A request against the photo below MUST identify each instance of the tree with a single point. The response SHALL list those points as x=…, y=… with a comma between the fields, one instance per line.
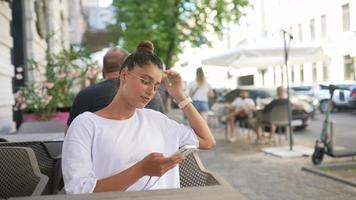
x=169, y=23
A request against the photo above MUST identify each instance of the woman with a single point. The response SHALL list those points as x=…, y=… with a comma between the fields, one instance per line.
x=200, y=91
x=126, y=147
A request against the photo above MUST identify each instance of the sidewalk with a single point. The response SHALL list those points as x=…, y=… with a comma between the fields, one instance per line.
x=260, y=176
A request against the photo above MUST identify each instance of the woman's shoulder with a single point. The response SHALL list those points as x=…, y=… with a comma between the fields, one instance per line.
x=84, y=117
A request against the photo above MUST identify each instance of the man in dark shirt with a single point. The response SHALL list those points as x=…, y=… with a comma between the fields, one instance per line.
x=97, y=96
x=263, y=115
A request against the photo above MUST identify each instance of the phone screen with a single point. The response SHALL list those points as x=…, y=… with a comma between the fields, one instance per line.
x=186, y=150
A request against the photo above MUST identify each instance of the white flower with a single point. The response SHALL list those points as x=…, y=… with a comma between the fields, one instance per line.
x=19, y=69
x=19, y=76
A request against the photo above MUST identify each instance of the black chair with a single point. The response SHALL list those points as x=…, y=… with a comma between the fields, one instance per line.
x=49, y=165
x=193, y=174
x=19, y=173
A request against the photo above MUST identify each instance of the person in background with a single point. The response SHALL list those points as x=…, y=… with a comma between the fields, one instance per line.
x=97, y=96
x=126, y=147
x=260, y=116
x=240, y=109
x=200, y=91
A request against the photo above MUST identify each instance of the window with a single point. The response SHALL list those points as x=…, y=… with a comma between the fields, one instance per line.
x=348, y=68
x=312, y=29
x=301, y=74
x=325, y=72
x=314, y=73
x=345, y=17
x=245, y=80
x=300, y=33
x=323, y=25
x=274, y=76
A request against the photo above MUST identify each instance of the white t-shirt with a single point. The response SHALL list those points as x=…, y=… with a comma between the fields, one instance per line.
x=201, y=94
x=246, y=103
x=96, y=148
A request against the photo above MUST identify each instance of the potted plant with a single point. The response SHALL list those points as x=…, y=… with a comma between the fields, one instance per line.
x=55, y=85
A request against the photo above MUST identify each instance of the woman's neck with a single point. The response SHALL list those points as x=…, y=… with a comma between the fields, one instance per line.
x=118, y=109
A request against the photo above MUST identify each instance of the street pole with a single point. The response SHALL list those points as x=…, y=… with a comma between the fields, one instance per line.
x=286, y=52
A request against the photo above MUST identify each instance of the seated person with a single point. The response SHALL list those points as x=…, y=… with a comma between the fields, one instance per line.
x=241, y=108
x=261, y=116
x=125, y=147
x=97, y=96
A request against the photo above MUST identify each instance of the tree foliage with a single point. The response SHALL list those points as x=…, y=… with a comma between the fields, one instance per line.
x=169, y=23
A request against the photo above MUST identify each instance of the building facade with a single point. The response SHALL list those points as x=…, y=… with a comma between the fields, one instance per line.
x=329, y=23
x=6, y=69
x=29, y=28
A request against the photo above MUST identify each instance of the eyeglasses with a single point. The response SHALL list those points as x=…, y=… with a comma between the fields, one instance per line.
x=146, y=83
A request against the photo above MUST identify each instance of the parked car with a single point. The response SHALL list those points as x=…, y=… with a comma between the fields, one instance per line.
x=321, y=92
x=352, y=99
x=301, y=114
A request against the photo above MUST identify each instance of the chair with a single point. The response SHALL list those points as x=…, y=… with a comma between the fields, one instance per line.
x=277, y=116
x=19, y=173
x=42, y=127
x=193, y=173
x=49, y=165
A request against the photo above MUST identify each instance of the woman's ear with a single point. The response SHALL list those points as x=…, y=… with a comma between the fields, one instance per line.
x=123, y=73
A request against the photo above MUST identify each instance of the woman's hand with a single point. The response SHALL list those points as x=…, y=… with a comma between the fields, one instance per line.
x=174, y=84
x=155, y=164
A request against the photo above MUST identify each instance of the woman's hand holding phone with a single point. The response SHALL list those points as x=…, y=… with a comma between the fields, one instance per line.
x=155, y=164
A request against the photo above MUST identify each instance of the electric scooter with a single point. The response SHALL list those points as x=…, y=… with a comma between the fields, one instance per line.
x=326, y=143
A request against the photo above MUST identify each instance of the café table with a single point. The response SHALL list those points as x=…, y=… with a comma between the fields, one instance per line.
x=56, y=136
x=224, y=192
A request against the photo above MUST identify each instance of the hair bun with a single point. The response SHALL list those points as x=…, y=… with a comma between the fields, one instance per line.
x=146, y=46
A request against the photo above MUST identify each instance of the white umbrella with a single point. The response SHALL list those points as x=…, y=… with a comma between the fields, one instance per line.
x=264, y=53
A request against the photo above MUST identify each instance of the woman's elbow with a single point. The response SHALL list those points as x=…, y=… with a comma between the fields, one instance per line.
x=208, y=144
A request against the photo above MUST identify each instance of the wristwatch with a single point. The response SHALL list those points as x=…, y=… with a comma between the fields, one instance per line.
x=184, y=103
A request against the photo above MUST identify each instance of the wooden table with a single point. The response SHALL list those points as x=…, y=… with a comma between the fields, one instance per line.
x=193, y=193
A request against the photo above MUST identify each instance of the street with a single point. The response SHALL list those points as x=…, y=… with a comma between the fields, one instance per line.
x=262, y=176
x=344, y=129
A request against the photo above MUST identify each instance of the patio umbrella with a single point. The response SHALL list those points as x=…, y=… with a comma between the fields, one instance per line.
x=264, y=53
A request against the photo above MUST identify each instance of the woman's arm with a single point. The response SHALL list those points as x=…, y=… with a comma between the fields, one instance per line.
x=155, y=164
x=198, y=124
x=77, y=163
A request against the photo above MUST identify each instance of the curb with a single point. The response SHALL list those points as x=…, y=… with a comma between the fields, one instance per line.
x=318, y=171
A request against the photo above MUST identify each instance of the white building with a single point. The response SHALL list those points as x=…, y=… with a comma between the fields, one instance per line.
x=326, y=22
x=329, y=23
x=24, y=27
x=100, y=13
x=6, y=69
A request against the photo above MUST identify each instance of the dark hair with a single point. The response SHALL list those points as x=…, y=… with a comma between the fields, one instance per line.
x=143, y=55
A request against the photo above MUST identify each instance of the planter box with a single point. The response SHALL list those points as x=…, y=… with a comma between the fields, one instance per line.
x=58, y=116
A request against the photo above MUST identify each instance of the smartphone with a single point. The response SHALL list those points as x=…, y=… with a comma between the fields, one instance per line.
x=186, y=150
